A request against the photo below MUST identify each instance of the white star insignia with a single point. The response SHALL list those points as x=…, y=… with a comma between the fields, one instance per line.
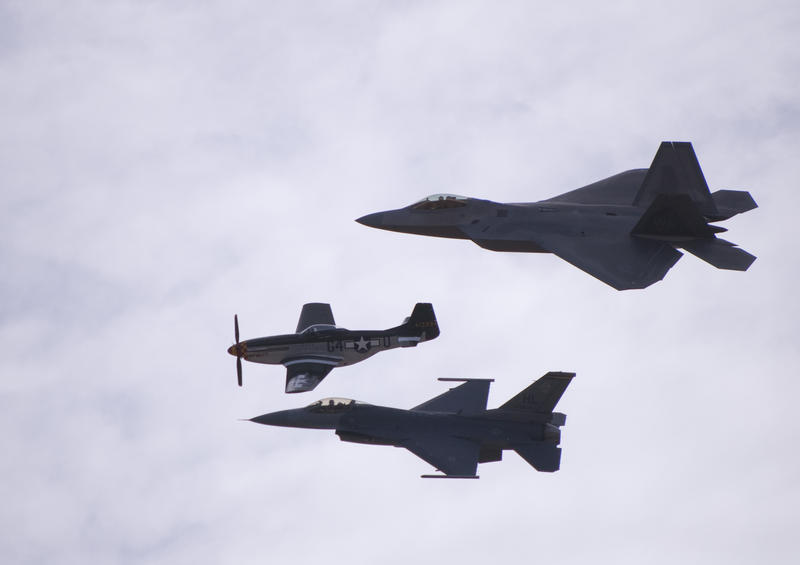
x=362, y=344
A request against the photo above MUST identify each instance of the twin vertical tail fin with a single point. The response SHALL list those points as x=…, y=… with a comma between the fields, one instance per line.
x=420, y=326
x=679, y=206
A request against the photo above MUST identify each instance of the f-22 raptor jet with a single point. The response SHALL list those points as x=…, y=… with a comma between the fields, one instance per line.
x=453, y=431
x=318, y=345
x=624, y=230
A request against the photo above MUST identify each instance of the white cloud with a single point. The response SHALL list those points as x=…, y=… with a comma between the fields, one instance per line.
x=166, y=165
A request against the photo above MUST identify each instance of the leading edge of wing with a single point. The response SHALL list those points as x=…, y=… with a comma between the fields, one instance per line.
x=623, y=263
x=450, y=455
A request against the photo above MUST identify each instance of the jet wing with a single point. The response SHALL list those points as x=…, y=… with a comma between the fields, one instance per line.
x=621, y=262
x=304, y=375
x=468, y=397
x=617, y=190
x=315, y=313
x=450, y=455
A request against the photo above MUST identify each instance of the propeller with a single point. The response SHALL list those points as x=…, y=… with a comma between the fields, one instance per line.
x=238, y=349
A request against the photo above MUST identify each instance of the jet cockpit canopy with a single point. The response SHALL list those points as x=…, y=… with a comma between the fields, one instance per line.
x=440, y=201
x=329, y=405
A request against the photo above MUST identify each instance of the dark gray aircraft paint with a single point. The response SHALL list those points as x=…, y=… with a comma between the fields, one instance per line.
x=318, y=345
x=624, y=230
x=453, y=431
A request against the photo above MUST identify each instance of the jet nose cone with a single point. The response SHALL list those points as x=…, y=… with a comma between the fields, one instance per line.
x=272, y=419
x=372, y=220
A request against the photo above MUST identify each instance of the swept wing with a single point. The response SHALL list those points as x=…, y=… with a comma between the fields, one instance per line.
x=468, y=397
x=450, y=455
x=622, y=262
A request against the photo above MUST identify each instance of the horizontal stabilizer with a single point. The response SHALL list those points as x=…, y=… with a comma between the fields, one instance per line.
x=541, y=456
x=468, y=397
x=542, y=396
x=720, y=253
x=732, y=202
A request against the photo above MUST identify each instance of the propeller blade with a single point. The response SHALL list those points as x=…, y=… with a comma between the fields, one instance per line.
x=236, y=327
x=239, y=369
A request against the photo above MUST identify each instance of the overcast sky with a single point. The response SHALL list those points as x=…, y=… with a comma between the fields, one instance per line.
x=164, y=165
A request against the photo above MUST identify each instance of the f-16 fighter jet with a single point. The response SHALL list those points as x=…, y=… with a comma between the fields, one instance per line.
x=453, y=431
x=318, y=345
x=624, y=230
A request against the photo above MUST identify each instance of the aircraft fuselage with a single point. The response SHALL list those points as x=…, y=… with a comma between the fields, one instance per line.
x=337, y=347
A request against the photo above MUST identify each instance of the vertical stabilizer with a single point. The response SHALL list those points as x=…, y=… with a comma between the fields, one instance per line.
x=675, y=170
x=542, y=396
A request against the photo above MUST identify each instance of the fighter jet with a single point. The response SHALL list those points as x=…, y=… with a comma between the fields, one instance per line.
x=625, y=230
x=318, y=345
x=453, y=431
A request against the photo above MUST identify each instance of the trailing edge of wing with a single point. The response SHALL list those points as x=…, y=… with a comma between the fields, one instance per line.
x=623, y=262
x=315, y=313
x=450, y=455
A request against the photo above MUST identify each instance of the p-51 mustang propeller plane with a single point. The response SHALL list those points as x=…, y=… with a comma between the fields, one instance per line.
x=318, y=346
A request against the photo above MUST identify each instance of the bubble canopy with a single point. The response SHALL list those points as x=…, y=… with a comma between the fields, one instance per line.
x=332, y=404
x=440, y=201
x=318, y=328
